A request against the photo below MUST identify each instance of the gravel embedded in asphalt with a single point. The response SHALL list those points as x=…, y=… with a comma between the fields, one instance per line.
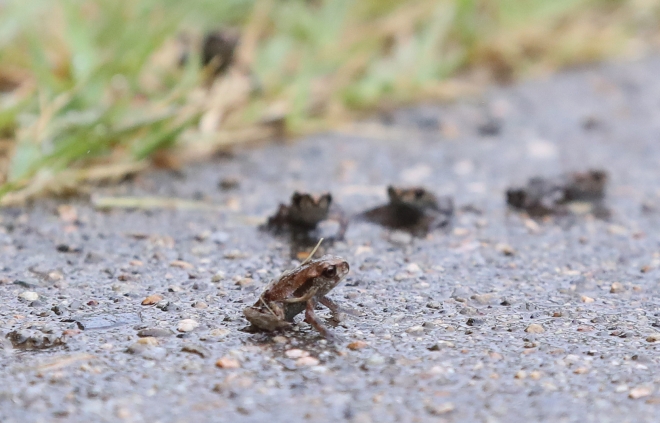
x=129, y=315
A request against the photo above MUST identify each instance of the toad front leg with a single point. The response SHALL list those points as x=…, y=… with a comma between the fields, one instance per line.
x=312, y=319
x=338, y=310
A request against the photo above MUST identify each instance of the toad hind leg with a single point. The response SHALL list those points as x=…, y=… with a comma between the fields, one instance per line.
x=269, y=319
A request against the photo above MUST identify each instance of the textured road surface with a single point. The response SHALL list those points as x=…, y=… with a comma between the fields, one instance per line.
x=499, y=318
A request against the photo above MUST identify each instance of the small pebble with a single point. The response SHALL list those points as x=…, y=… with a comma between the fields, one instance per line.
x=505, y=249
x=149, y=340
x=617, y=287
x=162, y=304
x=307, y=361
x=434, y=305
x=617, y=230
x=228, y=363
x=136, y=348
x=244, y=282
x=440, y=345
x=376, y=360
x=154, y=332
x=357, y=345
x=653, y=337
x=532, y=226
x=218, y=276
x=461, y=294
x=402, y=276
x=147, y=348
x=534, y=328
x=201, y=237
x=234, y=254
x=484, y=299
x=152, y=299
x=587, y=300
x=296, y=353
x=181, y=264
x=586, y=328
x=440, y=409
x=64, y=248
x=621, y=388
x=219, y=333
x=55, y=275
x=196, y=349
x=413, y=268
x=187, y=325
x=640, y=392
x=28, y=296
x=200, y=305
x=474, y=321
x=469, y=311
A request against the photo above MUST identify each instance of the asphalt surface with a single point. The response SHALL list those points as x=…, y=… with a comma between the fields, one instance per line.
x=445, y=328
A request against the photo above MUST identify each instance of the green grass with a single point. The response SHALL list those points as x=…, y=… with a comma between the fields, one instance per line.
x=92, y=89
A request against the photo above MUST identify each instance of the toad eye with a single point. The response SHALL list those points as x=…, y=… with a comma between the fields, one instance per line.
x=419, y=193
x=330, y=271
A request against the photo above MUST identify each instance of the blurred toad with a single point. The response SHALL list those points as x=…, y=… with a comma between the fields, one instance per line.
x=562, y=194
x=307, y=218
x=414, y=209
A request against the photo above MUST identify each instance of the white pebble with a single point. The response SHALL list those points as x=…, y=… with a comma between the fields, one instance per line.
x=29, y=296
x=187, y=325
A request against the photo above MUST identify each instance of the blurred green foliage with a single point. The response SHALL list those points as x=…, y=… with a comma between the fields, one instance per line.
x=84, y=82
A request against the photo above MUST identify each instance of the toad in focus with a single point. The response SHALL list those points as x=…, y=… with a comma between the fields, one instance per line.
x=298, y=290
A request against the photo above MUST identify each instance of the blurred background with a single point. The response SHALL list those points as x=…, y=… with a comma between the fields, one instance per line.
x=99, y=89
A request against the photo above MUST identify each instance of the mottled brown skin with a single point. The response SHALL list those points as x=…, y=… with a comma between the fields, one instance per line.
x=298, y=290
